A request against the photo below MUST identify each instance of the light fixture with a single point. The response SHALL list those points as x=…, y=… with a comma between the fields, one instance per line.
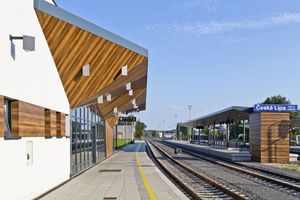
x=108, y=97
x=28, y=41
x=100, y=99
x=128, y=86
x=135, y=106
x=133, y=101
x=130, y=92
x=86, y=70
x=115, y=110
x=124, y=71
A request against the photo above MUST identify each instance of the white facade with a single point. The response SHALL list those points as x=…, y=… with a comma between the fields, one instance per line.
x=50, y=167
x=31, y=77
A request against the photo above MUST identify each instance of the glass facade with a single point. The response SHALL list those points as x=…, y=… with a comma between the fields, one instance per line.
x=88, y=137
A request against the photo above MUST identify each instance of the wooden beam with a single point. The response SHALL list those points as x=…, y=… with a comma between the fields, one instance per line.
x=50, y=123
x=60, y=124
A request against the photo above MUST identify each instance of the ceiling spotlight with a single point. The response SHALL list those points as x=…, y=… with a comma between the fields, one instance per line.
x=115, y=110
x=86, y=70
x=100, y=99
x=130, y=92
x=28, y=41
x=124, y=71
x=108, y=97
x=133, y=101
x=128, y=86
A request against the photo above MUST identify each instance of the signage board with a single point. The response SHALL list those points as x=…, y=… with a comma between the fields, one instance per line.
x=127, y=119
x=275, y=108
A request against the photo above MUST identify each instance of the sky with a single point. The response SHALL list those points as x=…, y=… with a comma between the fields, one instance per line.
x=211, y=54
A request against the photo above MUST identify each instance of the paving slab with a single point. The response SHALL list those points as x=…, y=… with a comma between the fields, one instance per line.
x=129, y=183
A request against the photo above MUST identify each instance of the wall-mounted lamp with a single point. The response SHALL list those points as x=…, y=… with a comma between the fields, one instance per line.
x=124, y=71
x=135, y=106
x=28, y=41
x=128, y=86
x=130, y=92
x=86, y=70
x=108, y=97
x=100, y=99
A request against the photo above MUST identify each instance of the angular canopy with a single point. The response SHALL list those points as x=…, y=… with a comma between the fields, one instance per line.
x=75, y=42
x=231, y=114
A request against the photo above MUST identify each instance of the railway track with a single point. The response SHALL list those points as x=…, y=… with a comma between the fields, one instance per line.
x=196, y=185
x=286, y=183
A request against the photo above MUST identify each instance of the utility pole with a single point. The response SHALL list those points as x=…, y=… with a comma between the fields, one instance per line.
x=190, y=108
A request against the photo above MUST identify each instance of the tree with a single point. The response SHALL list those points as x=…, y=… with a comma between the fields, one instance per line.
x=295, y=115
x=277, y=99
x=139, y=130
x=182, y=132
x=281, y=100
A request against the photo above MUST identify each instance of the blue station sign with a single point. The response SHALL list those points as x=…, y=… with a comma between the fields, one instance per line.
x=275, y=108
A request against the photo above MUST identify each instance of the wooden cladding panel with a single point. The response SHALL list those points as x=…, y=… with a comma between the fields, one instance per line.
x=60, y=124
x=27, y=120
x=1, y=116
x=269, y=137
x=72, y=48
x=109, y=135
x=50, y=123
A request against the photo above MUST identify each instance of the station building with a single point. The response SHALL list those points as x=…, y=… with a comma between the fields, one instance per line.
x=63, y=83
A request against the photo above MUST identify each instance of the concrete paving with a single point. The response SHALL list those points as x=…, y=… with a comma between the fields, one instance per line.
x=125, y=184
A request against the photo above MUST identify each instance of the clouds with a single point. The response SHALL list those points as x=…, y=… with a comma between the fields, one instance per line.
x=215, y=27
x=210, y=5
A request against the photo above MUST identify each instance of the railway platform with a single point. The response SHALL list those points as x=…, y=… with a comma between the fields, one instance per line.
x=128, y=174
x=225, y=153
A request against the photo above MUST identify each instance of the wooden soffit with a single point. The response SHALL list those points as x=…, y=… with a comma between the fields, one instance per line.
x=123, y=103
x=75, y=42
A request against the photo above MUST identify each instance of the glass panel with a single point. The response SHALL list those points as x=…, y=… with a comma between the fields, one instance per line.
x=82, y=120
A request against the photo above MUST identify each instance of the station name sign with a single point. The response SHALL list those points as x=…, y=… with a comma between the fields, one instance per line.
x=275, y=108
x=127, y=119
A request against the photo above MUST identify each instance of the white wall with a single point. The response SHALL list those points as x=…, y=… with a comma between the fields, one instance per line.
x=32, y=77
x=51, y=166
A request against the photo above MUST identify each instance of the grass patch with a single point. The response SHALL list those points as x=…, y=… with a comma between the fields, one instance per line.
x=122, y=143
x=290, y=166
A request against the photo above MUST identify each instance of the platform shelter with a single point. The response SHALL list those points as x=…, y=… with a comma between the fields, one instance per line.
x=268, y=129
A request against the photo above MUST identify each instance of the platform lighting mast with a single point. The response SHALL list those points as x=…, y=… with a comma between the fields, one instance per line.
x=190, y=108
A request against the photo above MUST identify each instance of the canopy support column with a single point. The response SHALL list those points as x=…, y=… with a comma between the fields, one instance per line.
x=244, y=131
x=227, y=135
